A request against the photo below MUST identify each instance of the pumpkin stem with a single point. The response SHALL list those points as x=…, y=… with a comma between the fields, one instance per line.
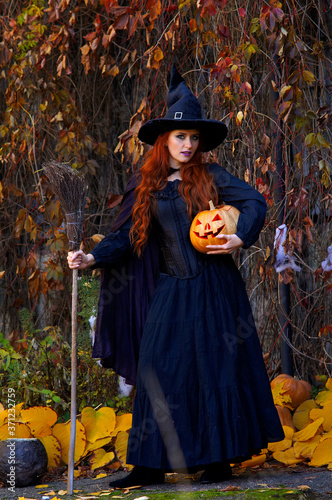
x=212, y=207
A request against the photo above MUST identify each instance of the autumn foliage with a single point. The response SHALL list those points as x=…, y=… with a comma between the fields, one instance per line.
x=101, y=435
x=78, y=79
x=308, y=433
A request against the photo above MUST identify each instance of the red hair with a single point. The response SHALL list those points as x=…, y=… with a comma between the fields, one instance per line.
x=197, y=188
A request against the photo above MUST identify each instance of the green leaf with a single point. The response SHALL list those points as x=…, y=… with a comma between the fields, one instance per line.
x=322, y=142
x=311, y=115
x=47, y=392
x=4, y=342
x=255, y=25
x=16, y=355
x=310, y=140
x=250, y=50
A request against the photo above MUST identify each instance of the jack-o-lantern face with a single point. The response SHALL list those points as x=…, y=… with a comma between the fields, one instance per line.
x=212, y=228
x=210, y=223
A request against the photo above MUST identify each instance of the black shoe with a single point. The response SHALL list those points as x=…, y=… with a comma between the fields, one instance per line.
x=140, y=476
x=216, y=472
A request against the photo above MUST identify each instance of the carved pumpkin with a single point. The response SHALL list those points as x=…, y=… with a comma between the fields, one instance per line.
x=298, y=390
x=210, y=223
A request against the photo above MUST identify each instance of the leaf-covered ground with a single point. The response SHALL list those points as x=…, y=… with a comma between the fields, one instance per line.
x=273, y=480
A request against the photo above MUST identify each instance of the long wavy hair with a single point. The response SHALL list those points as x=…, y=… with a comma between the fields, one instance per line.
x=197, y=188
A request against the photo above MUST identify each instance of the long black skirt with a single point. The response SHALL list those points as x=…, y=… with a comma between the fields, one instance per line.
x=202, y=393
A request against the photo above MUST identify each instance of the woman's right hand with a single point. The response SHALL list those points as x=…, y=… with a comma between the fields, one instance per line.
x=80, y=260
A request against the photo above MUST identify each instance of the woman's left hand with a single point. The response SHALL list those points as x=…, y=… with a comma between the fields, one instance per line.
x=233, y=243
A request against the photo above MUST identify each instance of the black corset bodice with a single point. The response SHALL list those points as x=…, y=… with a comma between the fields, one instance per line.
x=171, y=226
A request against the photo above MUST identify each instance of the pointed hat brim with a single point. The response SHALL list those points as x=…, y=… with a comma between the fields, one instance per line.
x=212, y=132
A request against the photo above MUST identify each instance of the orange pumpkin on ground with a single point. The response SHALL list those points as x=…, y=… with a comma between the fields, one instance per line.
x=285, y=416
x=298, y=390
x=210, y=223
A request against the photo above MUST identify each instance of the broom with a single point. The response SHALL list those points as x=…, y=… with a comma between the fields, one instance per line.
x=70, y=189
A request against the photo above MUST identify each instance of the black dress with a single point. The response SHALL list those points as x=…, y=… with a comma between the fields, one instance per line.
x=202, y=392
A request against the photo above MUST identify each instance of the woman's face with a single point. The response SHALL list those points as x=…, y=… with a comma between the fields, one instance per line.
x=182, y=145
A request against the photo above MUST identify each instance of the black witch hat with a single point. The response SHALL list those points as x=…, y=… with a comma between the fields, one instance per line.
x=184, y=112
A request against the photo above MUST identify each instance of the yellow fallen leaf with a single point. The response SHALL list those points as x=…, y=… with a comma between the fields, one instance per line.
x=99, y=443
x=279, y=396
x=309, y=430
x=53, y=450
x=280, y=445
x=254, y=461
x=3, y=416
x=48, y=493
x=98, y=424
x=326, y=435
x=16, y=411
x=100, y=458
x=102, y=474
x=128, y=490
x=37, y=414
x=328, y=384
x=325, y=412
x=301, y=415
x=15, y=430
x=120, y=446
x=287, y=457
x=39, y=429
x=41, y=486
x=323, y=397
x=123, y=423
x=303, y=487
x=285, y=443
x=62, y=492
x=305, y=449
x=62, y=433
x=322, y=454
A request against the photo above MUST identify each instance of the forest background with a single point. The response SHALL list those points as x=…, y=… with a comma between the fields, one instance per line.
x=77, y=80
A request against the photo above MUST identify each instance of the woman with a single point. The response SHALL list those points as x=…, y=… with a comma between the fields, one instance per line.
x=203, y=398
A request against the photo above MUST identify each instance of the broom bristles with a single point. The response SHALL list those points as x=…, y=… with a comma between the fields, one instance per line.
x=70, y=188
